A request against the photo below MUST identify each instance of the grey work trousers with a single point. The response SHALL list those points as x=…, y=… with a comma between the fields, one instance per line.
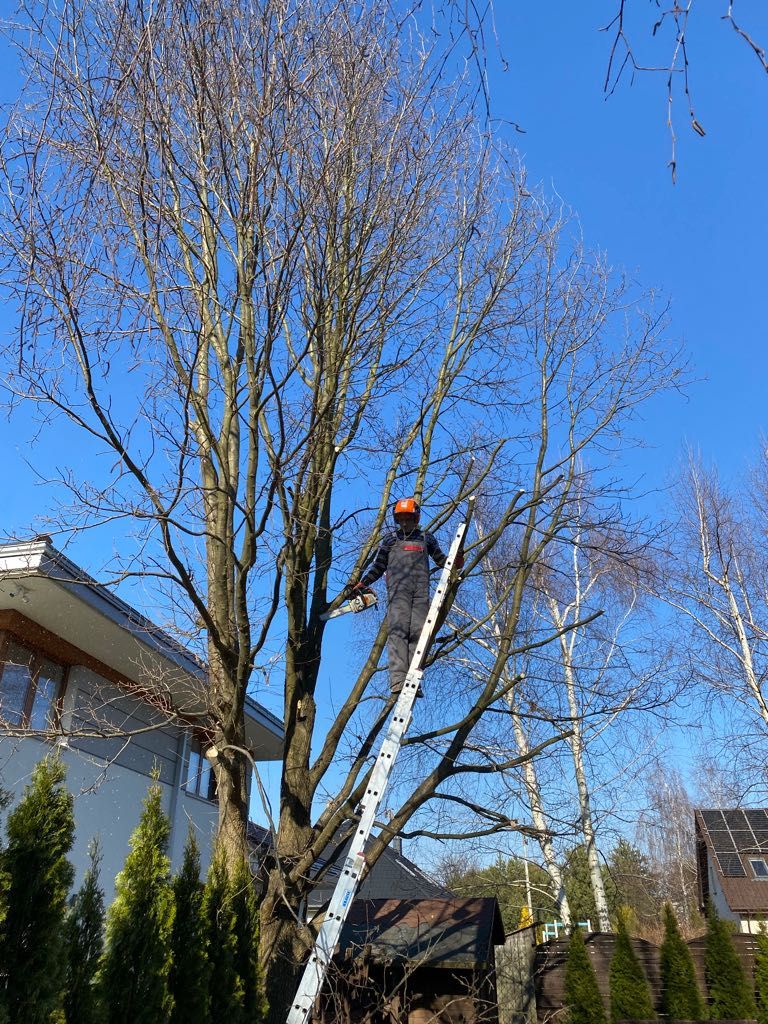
x=406, y=614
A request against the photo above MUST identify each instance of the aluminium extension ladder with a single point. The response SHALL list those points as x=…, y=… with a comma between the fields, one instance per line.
x=354, y=864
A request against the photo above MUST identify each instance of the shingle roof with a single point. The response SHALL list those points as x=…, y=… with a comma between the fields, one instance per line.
x=732, y=838
x=439, y=932
x=392, y=873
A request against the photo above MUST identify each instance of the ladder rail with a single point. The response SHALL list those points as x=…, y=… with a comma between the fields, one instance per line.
x=354, y=864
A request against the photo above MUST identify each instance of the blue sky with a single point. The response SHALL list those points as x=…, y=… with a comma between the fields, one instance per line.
x=700, y=241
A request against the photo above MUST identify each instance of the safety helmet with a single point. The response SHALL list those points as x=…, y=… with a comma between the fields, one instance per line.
x=406, y=507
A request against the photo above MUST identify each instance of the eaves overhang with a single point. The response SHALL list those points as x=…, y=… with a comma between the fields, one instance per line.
x=42, y=584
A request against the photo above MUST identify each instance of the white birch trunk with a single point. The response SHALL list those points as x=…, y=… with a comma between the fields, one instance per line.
x=538, y=816
x=576, y=743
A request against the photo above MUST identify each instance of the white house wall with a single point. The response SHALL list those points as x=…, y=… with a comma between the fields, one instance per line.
x=141, y=737
x=108, y=777
x=716, y=894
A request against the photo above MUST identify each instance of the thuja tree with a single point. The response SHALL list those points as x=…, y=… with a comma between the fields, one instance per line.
x=4, y=885
x=225, y=986
x=246, y=909
x=761, y=975
x=730, y=994
x=188, y=980
x=299, y=265
x=40, y=831
x=582, y=995
x=630, y=994
x=137, y=958
x=84, y=940
x=680, y=997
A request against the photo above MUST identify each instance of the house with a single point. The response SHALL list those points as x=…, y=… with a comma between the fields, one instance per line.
x=84, y=673
x=425, y=955
x=392, y=873
x=732, y=864
x=410, y=961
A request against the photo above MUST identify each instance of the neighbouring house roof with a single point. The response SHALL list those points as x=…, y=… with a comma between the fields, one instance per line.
x=728, y=839
x=41, y=583
x=392, y=873
x=456, y=932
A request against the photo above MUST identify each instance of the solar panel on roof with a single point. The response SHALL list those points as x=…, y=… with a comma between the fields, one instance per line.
x=722, y=840
x=730, y=865
x=757, y=819
x=744, y=840
x=735, y=819
x=713, y=819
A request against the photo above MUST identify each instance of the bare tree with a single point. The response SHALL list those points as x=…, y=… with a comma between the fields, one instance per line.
x=495, y=582
x=717, y=583
x=261, y=253
x=665, y=830
x=598, y=680
x=641, y=39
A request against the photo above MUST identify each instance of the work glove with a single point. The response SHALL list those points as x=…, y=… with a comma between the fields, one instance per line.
x=353, y=588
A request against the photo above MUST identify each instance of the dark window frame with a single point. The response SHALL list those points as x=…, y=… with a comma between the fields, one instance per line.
x=39, y=656
x=197, y=748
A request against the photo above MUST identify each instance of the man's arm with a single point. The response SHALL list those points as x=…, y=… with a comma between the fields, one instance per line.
x=379, y=565
x=439, y=556
x=435, y=551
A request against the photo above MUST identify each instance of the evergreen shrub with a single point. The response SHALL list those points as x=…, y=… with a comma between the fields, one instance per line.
x=680, y=996
x=137, y=959
x=582, y=996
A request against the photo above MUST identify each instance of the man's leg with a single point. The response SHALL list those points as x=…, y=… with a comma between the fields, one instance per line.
x=398, y=631
x=419, y=609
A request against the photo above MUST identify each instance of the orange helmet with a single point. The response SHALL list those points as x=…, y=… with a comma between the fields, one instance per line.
x=406, y=507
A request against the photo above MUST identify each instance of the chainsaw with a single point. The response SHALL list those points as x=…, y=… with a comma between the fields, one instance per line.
x=358, y=603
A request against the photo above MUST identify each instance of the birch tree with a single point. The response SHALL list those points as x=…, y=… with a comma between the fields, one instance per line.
x=717, y=584
x=600, y=666
x=514, y=683
x=262, y=257
x=666, y=831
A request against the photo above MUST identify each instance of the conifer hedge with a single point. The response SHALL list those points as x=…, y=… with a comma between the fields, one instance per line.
x=33, y=953
x=85, y=940
x=761, y=976
x=189, y=942
x=172, y=951
x=137, y=959
x=630, y=994
x=680, y=996
x=582, y=996
x=225, y=983
x=246, y=909
x=730, y=994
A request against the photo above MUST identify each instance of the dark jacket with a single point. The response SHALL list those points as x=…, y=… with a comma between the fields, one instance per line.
x=405, y=560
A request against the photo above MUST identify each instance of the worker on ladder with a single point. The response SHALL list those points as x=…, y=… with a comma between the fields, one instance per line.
x=404, y=556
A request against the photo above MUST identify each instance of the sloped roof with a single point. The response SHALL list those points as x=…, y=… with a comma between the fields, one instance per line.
x=62, y=598
x=731, y=839
x=392, y=873
x=452, y=932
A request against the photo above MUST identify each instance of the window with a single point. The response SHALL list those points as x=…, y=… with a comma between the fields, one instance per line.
x=760, y=868
x=29, y=686
x=200, y=778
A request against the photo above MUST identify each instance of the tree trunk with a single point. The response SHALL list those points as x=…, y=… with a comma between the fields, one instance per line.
x=283, y=945
x=230, y=763
x=576, y=743
x=538, y=817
